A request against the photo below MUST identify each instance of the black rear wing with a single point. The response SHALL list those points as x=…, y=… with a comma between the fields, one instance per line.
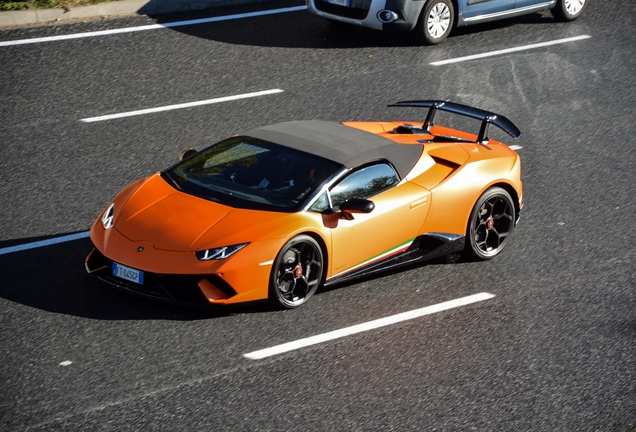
x=486, y=117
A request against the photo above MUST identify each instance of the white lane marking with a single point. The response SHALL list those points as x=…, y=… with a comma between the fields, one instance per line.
x=371, y=325
x=510, y=50
x=66, y=363
x=41, y=243
x=515, y=147
x=180, y=106
x=151, y=26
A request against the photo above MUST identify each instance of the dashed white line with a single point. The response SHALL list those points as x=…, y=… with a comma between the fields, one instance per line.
x=510, y=50
x=41, y=243
x=371, y=325
x=180, y=106
x=515, y=147
x=151, y=26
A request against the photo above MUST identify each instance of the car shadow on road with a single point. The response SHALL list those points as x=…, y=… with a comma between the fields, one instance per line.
x=53, y=278
x=300, y=29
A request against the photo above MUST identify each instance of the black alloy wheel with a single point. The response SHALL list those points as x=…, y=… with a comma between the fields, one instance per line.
x=490, y=225
x=297, y=272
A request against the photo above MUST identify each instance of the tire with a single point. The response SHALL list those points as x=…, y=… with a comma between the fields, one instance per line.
x=297, y=273
x=435, y=22
x=490, y=225
x=569, y=10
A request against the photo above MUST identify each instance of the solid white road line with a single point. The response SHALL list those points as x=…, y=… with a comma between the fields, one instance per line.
x=151, y=26
x=41, y=243
x=180, y=106
x=510, y=50
x=371, y=325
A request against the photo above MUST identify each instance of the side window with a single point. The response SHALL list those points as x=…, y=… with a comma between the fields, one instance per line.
x=321, y=204
x=364, y=184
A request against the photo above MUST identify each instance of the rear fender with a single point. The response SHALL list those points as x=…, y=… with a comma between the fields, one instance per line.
x=453, y=200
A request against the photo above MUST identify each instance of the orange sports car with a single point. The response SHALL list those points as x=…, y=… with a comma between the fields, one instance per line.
x=278, y=211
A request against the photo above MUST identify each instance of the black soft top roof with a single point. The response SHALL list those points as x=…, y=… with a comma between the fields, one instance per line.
x=342, y=144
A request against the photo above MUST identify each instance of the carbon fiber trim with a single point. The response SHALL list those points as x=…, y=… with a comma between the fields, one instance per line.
x=423, y=248
x=486, y=117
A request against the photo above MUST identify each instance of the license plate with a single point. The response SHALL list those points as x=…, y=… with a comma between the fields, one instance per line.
x=121, y=271
x=344, y=3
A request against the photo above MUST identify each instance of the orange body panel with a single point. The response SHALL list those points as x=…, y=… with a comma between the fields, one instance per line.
x=248, y=270
x=455, y=186
x=398, y=217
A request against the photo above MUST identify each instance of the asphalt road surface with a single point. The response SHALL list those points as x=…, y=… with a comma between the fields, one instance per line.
x=554, y=349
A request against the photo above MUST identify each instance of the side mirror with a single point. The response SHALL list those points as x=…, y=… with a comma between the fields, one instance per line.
x=187, y=153
x=355, y=205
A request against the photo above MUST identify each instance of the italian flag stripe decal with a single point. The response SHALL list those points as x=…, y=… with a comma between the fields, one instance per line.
x=394, y=251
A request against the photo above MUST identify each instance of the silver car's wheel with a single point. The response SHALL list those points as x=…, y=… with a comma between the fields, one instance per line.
x=491, y=223
x=297, y=272
x=436, y=21
x=569, y=10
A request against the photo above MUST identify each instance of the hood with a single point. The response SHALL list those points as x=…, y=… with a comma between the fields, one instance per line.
x=172, y=220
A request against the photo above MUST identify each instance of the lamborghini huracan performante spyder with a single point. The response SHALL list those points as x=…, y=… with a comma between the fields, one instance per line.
x=431, y=21
x=276, y=212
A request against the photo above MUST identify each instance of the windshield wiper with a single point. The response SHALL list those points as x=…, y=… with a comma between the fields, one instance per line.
x=167, y=177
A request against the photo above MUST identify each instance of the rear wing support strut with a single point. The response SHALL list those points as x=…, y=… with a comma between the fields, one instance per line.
x=486, y=117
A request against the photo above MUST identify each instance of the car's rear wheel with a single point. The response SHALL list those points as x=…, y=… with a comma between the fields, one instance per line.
x=435, y=22
x=568, y=10
x=490, y=225
x=297, y=272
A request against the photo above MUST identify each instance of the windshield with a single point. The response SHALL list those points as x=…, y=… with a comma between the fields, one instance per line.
x=250, y=173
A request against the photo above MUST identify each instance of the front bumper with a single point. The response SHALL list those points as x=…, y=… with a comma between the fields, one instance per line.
x=365, y=13
x=190, y=290
x=179, y=277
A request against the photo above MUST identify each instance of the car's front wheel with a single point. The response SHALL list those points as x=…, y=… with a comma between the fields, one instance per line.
x=490, y=225
x=568, y=10
x=297, y=272
x=435, y=22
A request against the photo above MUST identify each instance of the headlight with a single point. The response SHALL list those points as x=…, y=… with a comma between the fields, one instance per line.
x=219, y=253
x=107, y=217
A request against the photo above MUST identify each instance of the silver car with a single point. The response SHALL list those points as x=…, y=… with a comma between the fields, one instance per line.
x=431, y=21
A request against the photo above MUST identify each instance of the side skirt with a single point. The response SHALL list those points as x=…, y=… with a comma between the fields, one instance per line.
x=424, y=248
x=461, y=21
